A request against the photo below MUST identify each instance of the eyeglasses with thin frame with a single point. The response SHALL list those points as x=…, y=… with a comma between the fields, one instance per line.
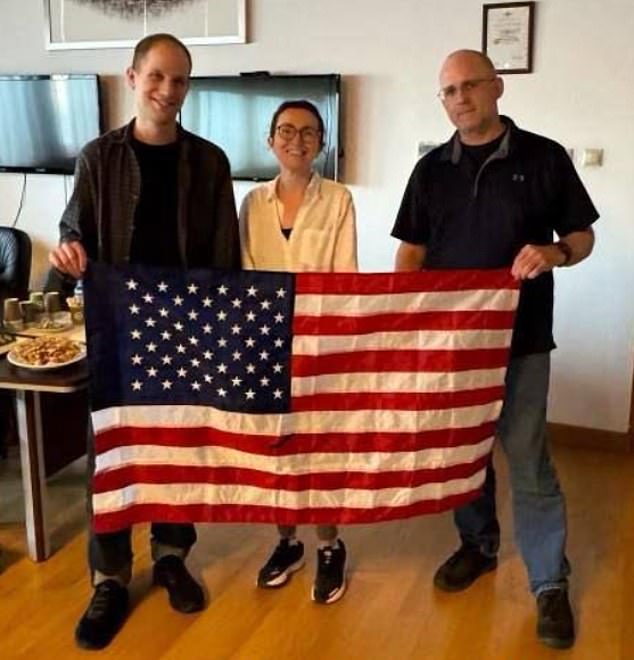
x=307, y=133
x=450, y=92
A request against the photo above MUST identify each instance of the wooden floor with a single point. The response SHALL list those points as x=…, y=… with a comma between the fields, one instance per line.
x=391, y=611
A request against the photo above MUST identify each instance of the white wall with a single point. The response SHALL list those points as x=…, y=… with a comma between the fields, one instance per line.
x=389, y=52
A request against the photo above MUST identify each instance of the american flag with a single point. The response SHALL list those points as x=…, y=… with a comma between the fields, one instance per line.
x=292, y=398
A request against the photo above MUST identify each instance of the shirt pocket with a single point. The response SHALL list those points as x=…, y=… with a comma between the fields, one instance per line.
x=314, y=251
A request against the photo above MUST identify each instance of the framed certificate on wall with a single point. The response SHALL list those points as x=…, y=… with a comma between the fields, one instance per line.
x=507, y=35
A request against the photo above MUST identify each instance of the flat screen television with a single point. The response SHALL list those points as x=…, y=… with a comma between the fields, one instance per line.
x=235, y=113
x=46, y=119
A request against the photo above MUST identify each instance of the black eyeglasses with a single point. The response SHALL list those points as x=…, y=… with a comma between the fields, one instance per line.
x=307, y=133
x=449, y=93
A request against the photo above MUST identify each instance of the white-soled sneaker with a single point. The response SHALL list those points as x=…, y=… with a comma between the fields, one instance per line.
x=330, y=582
x=285, y=560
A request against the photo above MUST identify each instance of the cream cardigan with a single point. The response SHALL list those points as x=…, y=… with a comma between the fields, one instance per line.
x=324, y=236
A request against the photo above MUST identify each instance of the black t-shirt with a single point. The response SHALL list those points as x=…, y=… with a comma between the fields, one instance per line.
x=155, y=234
x=470, y=217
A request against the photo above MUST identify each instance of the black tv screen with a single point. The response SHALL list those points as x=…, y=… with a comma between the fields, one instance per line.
x=45, y=120
x=235, y=113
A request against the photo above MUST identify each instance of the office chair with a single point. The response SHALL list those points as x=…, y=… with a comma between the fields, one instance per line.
x=15, y=271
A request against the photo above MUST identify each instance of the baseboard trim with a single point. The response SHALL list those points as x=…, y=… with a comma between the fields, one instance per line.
x=579, y=436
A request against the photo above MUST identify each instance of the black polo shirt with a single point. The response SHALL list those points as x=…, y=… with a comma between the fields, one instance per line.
x=472, y=215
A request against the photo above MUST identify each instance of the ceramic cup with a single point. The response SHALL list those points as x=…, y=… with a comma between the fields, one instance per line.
x=12, y=315
x=11, y=310
x=29, y=311
x=52, y=302
x=37, y=298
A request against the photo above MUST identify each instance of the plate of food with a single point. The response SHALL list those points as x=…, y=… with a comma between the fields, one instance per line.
x=57, y=324
x=46, y=353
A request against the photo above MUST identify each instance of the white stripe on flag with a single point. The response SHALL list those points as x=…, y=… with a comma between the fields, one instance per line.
x=292, y=464
x=398, y=381
x=412, y=340
x=213, y=494
x=443, y=301
x=337, y=421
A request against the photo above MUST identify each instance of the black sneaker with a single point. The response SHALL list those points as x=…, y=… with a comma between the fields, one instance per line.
x=330, y=582
x=106, y=613
x=555, y=625
x=185, y=594
x=285, y=560
x=463, y=568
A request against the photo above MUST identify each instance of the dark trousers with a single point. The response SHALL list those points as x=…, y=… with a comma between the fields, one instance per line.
x=111, y=554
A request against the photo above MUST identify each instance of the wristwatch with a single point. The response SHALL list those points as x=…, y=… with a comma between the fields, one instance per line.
x=566, y=250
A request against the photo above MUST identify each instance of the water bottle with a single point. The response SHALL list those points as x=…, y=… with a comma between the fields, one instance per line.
x=76, y=303
x=79, y=291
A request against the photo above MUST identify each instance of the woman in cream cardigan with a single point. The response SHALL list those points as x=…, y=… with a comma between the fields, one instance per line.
x=300, y=222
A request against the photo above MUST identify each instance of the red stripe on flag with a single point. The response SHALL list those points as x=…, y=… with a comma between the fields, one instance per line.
x=200, y=474
x=419, y=281
x=401, y=322
x=399, y=361
x=299, y=443
x=111, y=522
x=397, y=400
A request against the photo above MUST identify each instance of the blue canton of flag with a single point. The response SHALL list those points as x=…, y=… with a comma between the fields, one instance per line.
x=198, y=337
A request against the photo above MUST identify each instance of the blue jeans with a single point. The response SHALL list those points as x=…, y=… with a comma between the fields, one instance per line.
x=539, y=509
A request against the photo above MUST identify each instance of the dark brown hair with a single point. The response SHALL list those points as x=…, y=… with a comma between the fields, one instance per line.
x=300, y=104
x=147, y=43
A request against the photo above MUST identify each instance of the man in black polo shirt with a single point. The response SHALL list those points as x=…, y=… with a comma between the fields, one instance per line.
x=147, y=193
x=492, y=197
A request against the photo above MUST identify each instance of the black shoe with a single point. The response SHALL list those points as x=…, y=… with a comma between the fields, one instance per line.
x=185, y=594
x=463, y=568
x=555, y=625
x=330, y=582
x=285, y=560
x=106, y=613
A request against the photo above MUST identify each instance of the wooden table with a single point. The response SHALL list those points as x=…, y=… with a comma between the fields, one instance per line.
x=29, y=385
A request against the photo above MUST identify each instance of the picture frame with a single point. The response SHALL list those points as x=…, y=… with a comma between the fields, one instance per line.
x=90, y=24
x=507, y=35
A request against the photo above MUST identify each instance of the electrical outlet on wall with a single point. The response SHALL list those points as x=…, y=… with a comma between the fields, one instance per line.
x=592, y=157
x=425, y=147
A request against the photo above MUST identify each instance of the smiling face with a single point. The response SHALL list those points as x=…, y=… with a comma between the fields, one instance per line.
x=296, y=154
x=470, y=89
x=160, y=81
